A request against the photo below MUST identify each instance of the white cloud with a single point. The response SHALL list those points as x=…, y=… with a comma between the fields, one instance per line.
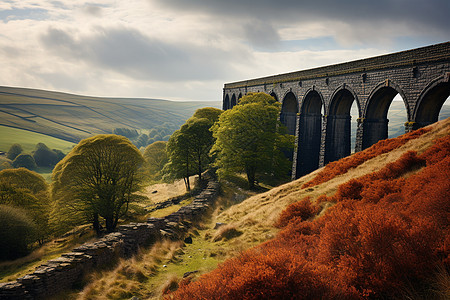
x=187, y=49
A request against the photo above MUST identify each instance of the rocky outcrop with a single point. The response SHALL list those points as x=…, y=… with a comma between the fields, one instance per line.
x=62, y=273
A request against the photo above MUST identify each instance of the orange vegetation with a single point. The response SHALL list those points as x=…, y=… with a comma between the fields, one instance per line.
x=341, y=166
x=387, y=233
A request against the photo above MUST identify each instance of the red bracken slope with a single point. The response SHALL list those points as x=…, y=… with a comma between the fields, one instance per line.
x=386, y=236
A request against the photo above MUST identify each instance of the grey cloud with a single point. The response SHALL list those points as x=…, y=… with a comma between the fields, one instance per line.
x=93, y=10
x=431, y=15
x=133, y=54
x=261, y=34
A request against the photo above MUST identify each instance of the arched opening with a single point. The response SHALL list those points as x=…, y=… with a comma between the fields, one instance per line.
x=376, y=121
x=239, y=97
x=274, y=96
x=397, y=117
x=226, y=103
x=289, y=110
x=445, y=110
x=431, y=104
x=338, y=138
x=354, y=114
x=309, y=134
x=233, y=101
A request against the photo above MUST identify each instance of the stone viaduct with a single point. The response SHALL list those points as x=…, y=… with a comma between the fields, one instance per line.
x=316, y=102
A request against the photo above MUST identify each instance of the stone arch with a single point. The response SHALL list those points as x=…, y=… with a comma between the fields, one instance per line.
x=289, y=110
x=233, y=101
x=338, y=133
x=430, y=102
x=310, y=106
x=310, y=133
x=375, y=125
x=239, y=97
x=226, y=102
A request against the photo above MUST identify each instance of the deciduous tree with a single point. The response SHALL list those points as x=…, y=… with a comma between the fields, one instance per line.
x=248, y=138
x=27, y=190
x=98, y=178
x=14, y=151
x=189, y=147
x=155, y=156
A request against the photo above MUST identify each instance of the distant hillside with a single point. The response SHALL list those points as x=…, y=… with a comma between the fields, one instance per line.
x=74, y=117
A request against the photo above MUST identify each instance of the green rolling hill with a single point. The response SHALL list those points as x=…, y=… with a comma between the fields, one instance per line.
x=72, y=117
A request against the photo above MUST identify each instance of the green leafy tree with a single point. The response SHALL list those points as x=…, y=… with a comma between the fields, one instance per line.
x=25, y=161
x=142, y=140
x=17, y=232
x=155, y=156
x=180, y=159
x=200, y=141
x=5, y=163
x=44, y=156
x=210, y=113
x=29, y=191
x=14, y=151
x=97, y=179
x=189, y=147
x=249, y=138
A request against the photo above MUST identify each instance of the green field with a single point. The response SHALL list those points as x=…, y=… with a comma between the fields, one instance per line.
x=74, y=117
x=28, y=140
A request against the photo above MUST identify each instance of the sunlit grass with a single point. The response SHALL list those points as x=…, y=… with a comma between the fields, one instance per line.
x=28, y=140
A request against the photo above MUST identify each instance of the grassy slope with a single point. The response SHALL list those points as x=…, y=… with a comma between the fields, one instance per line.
x=73, y=117
x=253, y=218
x=28, y=140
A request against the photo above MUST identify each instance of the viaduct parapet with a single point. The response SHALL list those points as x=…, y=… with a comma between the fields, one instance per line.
x=316, y=102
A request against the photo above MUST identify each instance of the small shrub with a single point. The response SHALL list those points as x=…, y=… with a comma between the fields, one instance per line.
x=297, y=212
x=17, y=232
x=44, y=157
x=226, y=232
x=14, y=151
x=25, y=161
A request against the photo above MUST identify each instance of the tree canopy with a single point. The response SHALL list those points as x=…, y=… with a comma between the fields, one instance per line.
x=14, y=151
x=44, y=156
x=249, y=139
x=189, y=147
x=98, y=178
x=155, y=156
x=24, y=160
x=17, y=232
x=27, y=190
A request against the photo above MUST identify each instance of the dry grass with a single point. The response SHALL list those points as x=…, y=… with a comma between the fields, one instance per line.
x=128, y=277
x=226, y=232
x=11, y=270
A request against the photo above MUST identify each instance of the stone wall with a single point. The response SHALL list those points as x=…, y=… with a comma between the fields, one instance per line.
x=65, y=272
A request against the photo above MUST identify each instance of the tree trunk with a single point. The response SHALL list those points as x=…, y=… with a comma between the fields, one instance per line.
x=109, y=224
x=251, y=178
x=187, y=184
x=96, y=224
x=199, y=168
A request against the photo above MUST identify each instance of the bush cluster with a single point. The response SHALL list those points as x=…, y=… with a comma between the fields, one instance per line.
x=387, y=233
x=17, y=231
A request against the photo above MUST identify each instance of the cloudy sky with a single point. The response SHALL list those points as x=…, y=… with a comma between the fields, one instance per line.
x=187, y=49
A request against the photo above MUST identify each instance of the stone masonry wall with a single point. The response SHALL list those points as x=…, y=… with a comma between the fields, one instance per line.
x=62, y=273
